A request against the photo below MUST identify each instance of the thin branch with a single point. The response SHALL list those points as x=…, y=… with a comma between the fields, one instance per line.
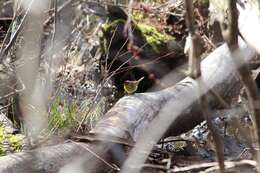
x=195, y=51
x=128, y=25
x=210, y=166
x=230, y=34
x=194, y=40
x=58, y=11
x=4, y=52
x=15, y=91
x=96, y=155
x=8, y=33
x=54, y=23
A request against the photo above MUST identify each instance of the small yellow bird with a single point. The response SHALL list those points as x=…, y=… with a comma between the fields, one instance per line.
x=131, y=86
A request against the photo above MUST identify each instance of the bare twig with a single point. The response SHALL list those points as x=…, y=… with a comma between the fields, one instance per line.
x=128, y=25
x=107, y=53
x=15, y=14
x=58, y=11
x=54, y=22
x=220, y=99
x=195, y=51
x=230, y=34
x=113, y=167
x=15, y=91
x=4, y=52
x=216, y=137
x=8, y=33
x=211, y=166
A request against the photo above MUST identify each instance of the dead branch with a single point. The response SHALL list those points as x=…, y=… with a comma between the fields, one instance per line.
x=210, y=167
x=230, y=35
x=195, y=52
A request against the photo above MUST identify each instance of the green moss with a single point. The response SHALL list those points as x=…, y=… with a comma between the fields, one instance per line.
x=153, y=37
x=2, y=149
x=16, y=142
x=112, y=25
x=2, y=132
x=9, y=142
x=204, y=3
x=138, y=15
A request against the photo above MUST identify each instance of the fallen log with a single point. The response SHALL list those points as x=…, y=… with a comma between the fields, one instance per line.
x=132, y=115
x=48, y=159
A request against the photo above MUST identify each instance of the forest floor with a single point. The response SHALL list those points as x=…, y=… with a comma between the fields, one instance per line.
x=81, y=92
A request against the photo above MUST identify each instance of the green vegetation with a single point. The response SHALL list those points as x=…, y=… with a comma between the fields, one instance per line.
x=138, y=15
x=112, y=25
x=2, y=138
x=204, y=3
x=16, y=142
x=9, y=142
x=62, y=114
x=93, y=112
x=153, y=37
